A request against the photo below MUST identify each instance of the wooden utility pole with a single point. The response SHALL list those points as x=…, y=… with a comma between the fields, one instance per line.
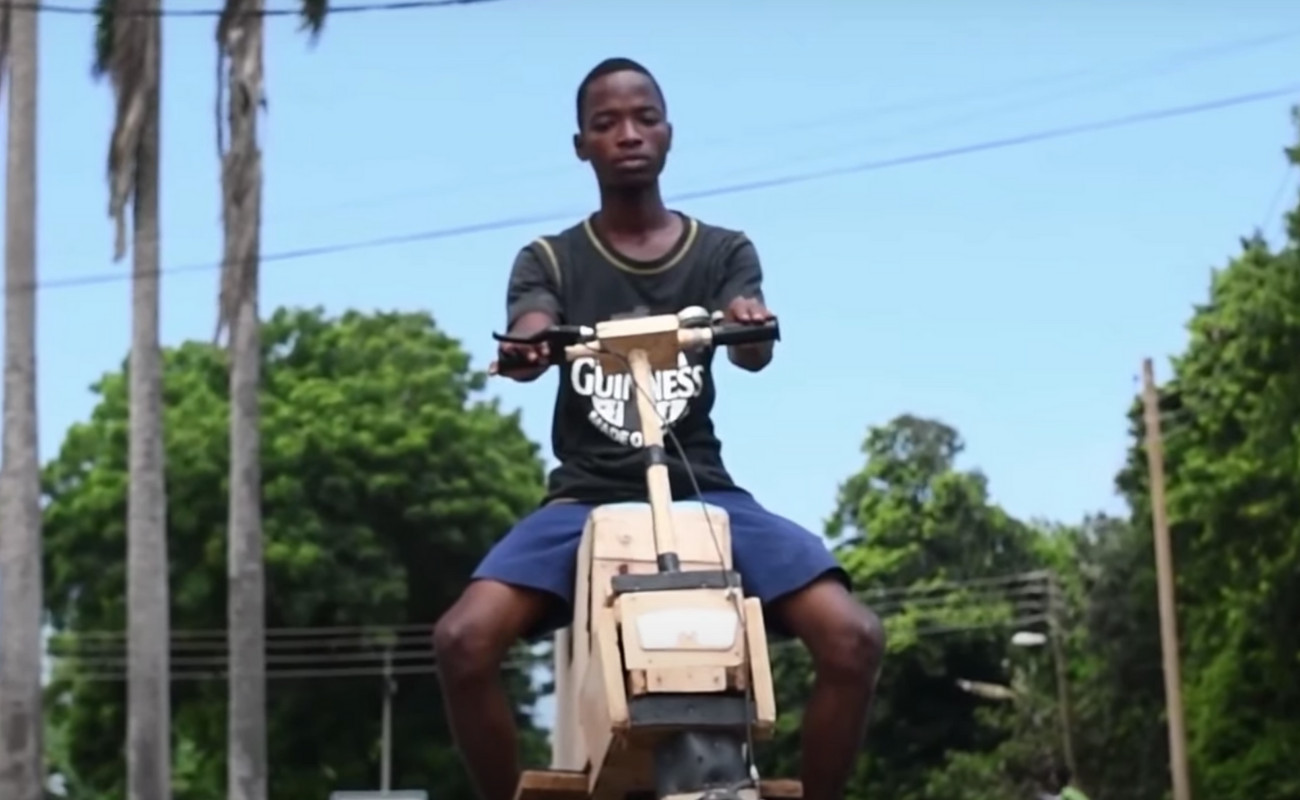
x=1165, y=585
x=1064, y=708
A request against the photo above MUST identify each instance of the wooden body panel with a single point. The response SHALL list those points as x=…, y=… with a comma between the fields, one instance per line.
x=599, y=661
x=619, y=539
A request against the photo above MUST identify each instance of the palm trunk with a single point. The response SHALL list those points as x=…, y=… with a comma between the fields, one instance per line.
x=148, y=612
x=22, y=770
x=241, y=178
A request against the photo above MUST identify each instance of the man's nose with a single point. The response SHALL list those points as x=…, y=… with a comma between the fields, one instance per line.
x=628, y=135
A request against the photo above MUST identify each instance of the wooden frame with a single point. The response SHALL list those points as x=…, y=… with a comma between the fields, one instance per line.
x=633, y=644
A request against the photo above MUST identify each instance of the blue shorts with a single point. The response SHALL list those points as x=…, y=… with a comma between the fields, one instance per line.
x=773, y=555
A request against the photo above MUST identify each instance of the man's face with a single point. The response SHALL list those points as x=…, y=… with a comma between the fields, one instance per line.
x=625, y=134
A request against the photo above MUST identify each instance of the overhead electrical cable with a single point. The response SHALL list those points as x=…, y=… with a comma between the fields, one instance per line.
x=454, y=231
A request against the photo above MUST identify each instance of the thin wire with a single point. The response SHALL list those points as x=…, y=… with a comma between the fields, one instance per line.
x=119, y=651
x=1176, y=60
x=288, y=636
x=1003, y=143
x=1026, y=601
x=1175, y=63
x=106, y=641
x=946, y=586
x=1266, y=222
x=62, y=9
x=738, y=188
x=103, y=666
x=71, y=670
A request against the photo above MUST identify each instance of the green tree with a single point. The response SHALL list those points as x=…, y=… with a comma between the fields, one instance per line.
x=1118, y=685
x=1232, y=433
x=386, y=478
x=912, y=522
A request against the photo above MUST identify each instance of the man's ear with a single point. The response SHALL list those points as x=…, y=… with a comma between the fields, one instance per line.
x=580, y=147
x=668, y=146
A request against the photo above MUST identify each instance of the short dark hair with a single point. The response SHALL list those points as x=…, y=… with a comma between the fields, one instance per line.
x=606, y=67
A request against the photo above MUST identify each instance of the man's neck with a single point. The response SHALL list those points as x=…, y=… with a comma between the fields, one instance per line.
x=632, y=211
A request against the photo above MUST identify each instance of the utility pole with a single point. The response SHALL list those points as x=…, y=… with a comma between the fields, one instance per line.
x=1165, y=585
x=1065, y=709
x=386, y=745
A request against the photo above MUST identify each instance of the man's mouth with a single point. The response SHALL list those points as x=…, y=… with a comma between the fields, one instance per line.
x=632, y=162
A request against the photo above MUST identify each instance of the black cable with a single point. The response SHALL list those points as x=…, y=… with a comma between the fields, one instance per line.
x=454, y=231
x=346, y=8
x=734, y=591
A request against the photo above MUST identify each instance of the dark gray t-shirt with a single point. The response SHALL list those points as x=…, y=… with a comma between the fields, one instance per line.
x=581, y=280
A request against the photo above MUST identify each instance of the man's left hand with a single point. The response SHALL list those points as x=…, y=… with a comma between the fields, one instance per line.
x=748, y=311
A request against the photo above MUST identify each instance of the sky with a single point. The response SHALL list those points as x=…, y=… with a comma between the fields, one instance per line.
x=1011, y=291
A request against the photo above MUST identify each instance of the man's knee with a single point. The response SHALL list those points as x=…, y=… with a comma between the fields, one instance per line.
x=850, y=645
x=466, y=644
x=473, y=637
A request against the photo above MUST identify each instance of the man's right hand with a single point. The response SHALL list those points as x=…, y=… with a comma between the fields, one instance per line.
x=535, y=356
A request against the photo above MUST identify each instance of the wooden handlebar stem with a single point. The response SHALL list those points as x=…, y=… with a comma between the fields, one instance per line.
x=658, y=488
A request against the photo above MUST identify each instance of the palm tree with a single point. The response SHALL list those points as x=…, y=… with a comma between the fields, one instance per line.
x=128, y=50
x=22, y=768
x=240, y=86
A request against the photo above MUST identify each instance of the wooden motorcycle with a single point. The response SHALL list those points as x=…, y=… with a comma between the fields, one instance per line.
x=662, y=681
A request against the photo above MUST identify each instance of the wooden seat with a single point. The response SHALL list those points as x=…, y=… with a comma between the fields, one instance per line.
x=568, y=785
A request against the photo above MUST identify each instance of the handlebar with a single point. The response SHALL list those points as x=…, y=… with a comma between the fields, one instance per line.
x=569, y=342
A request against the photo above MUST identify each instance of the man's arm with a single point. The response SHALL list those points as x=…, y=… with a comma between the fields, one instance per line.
x=532, y=304
x=740, y=297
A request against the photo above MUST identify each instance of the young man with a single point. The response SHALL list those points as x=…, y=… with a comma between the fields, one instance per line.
x=635, y=255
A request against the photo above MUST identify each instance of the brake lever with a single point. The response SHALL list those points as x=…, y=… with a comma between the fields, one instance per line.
x=555, y=336
x=536, y=338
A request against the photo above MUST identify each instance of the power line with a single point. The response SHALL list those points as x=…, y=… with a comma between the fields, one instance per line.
x=1031, y=599
x=1012, y=582
x=1055, y=86
x=346, y=8
x=1266, y=223
x=1025, y=595
x=455, y=231
x=1111, y=123
x=112, y=646
x=1169, y=64
x=97, y=672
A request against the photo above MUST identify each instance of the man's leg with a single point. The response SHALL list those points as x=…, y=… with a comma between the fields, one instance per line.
x=471, y=640
x=805, y=593
x=526, y=576
x=847, y=644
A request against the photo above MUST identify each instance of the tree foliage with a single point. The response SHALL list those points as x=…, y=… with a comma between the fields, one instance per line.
x=1232, y=431
x=911, y=521
x=386, y=478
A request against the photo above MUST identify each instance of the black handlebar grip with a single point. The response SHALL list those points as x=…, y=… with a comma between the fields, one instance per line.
x=733, y=334
x=510, y=361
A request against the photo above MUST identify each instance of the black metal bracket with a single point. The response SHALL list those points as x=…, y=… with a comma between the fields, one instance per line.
x=677, y=581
